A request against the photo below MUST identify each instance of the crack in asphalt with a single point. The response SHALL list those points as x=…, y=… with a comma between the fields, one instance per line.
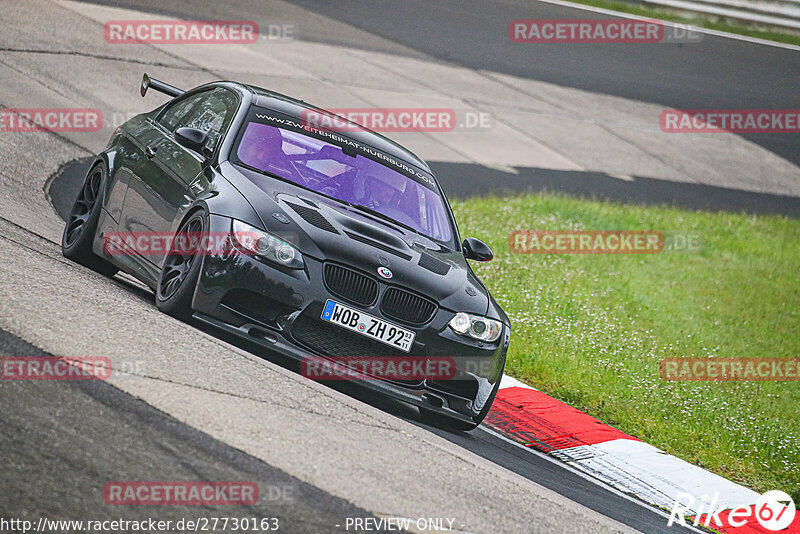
x=63, y=138
x=604, y=126
x=23, y=245
x=482, y=75
x=100, y=56
x=196, y=66
x=270, y=402
x=55, y=88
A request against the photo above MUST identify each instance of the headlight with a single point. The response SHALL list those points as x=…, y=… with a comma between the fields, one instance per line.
x=476, y=327
x=267, y=246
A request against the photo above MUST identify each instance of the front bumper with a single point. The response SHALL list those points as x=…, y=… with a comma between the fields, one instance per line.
x=280, y=309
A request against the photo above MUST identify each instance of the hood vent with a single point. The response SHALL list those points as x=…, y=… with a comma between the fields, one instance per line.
x=426, y=261
x=313, y=217
x=378, y=245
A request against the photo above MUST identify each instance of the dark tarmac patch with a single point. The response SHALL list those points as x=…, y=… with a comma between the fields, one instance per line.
x=463, y=180
x=62, y=441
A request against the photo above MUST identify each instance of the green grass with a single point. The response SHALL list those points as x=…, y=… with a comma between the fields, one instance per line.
x=590, y=329
x=697, y=20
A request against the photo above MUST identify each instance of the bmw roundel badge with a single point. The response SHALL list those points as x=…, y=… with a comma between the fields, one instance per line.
x=384, y=272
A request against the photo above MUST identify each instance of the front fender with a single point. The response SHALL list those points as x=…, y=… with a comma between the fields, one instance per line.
x=217, y=196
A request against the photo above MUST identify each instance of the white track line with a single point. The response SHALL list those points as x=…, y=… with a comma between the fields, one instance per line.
x=716, y=33
x=637, y=468
x=655, y=476
x=589, y=478
x=511, y=382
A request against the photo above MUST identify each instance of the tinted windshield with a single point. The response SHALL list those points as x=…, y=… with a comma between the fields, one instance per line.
x=326, y=169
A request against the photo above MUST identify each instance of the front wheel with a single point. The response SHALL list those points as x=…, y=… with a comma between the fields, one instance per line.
x=181, y=269
x=76, y=241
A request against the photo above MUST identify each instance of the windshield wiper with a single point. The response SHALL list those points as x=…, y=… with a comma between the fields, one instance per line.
x=273, y=175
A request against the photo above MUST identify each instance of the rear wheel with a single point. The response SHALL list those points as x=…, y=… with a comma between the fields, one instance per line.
x=181, y=270
x=79, y=232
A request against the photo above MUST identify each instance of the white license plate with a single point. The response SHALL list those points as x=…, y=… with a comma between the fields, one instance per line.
x=367, y=325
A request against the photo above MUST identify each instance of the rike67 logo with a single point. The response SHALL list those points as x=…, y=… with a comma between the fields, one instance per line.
x=774, y=510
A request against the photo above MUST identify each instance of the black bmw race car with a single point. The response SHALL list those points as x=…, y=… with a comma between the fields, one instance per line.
x=335, y=244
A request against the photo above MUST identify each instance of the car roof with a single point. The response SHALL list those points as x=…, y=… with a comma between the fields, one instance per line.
x=294, y=108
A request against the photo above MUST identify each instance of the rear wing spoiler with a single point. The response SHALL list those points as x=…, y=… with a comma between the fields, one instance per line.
x=159, y=86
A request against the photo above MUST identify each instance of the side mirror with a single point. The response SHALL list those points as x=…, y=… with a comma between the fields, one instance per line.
x=475, y=249
x=193, y=139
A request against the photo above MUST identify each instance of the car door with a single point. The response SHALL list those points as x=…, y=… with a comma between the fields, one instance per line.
x=160, y=188
x=212, y=114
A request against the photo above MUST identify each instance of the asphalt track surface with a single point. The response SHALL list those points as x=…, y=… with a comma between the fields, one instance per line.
x=715, y=73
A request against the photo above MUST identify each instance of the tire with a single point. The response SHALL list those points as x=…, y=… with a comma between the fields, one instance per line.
x=449, y=423
x=79, y=232
x=180, y=272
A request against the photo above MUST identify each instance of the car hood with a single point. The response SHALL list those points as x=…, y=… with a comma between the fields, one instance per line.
x=330, y=231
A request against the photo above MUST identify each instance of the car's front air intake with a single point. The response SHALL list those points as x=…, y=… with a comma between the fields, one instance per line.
x=407, y=307
x=350, y=285
x=325, y=339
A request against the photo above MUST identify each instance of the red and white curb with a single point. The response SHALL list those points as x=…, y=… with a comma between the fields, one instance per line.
x=534, y=419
